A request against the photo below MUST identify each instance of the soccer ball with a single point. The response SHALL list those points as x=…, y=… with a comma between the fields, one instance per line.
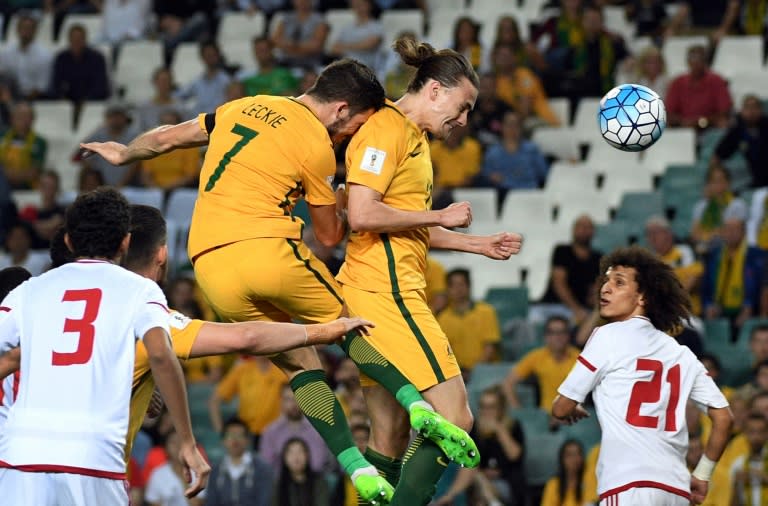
x=631, y=117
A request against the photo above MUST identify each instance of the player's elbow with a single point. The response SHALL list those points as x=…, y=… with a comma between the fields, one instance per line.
x=362, y=222
x=722, y=420
x=328, y=239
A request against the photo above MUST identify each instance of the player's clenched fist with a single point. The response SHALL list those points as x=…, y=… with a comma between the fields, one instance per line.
x=502, y=245
x=458, y=214
x=195, y=467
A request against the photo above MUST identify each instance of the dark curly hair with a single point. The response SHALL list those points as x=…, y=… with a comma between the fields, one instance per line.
x=667, y=304
x=97, y=222
x=349, y=81
x=10, y=278
x=59, y=252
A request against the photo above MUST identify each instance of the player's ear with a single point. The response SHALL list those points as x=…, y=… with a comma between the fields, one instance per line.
x=433, y=89
x=342, y=110
x=124, y=245
x=162, y=255
x=68, y=242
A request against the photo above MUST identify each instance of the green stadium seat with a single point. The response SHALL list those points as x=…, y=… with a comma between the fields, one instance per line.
x=510, y=302
x=485, y=376
x=636, y=207
x=681, y=176
x=735, y=361
x=717, y=332
x=541, y=455
x=609, y=236
x=586, y=431
x=533, y=419
x=746, y=330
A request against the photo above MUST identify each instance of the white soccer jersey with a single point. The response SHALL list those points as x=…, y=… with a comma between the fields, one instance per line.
x=77, y=327
x=8, y=391
x=641, y=379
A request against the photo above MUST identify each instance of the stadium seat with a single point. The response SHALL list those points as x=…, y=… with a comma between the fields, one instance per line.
x=397, y=21
x=25, y=198
x=565, y=179
x=609, y=236
x=93, y=26
x=558, y=142
x=746, y=82
x=44, y=29
x=541, y=456
x=487, y=273
x=241, y=26
x=586, y=431
x=675, y=52
x=562, y=108
x=181, y=203
x=187, y=65
x=54, y=119
x=615, y=19
x=636, y=207
x=717, y=332
x=337, y=19
x=484, y=376
x=681, y=176
x=618, y=181
x=746, y=330
x=135, y=65
x=536, y=278
x=441, y=24
x=511, y=301
x=591, y=202
x=585, y=120
x=484, y=202
x=144, y=196
x=522, y=205
x=91, y=118
x=738, y=54
x=239, y=53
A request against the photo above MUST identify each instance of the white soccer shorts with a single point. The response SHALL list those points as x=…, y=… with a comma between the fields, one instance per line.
x=645, y=496
x=60, y=489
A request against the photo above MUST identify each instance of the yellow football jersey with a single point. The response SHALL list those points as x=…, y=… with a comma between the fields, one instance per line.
x=264, y=153
x=183, y=334
x=390, y=154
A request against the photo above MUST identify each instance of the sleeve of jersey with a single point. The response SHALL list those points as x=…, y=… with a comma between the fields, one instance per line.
x=373, y=154
x=184, y=331
x=153, y=311
x=10, y=309
x=318, y=177
x=704, y=391
x=589, y=368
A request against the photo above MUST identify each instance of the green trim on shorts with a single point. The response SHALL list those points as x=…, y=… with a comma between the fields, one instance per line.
x=406, y=313
x=319, y=276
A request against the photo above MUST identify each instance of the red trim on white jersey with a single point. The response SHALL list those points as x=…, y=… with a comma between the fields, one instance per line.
x=91, y=261
x=645, y=484
x=586, y=363
x=5, y=309
x=161, y=305
x=53, y=468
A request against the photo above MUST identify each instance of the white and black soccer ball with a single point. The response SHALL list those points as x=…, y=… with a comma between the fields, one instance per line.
x=631, y=117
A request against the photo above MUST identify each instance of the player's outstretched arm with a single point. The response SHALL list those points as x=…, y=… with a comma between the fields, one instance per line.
x=722, y=420
x=10, y=362
x=150, y=144
x=263, y=338
x=170, y=380
x=497, y=246
x=367, y=213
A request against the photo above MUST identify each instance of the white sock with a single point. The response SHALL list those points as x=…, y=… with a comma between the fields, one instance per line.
x=423, y=404
x=369, y=471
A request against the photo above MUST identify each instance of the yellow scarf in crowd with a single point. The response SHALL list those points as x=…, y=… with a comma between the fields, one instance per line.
x=748, y=492
x=712, y=217
x=753, y=18
x=730, y=278
x=14, y=155
x=762, y=233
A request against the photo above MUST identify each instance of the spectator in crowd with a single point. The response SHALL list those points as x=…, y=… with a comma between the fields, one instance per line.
x=361, y=40
x=732, y=273
x=471, y=326
x=298, y=484
x=436, y=290
x=293, y=424
x=521, y=89
x=49, y=215
x=177, y=169
x=648, y=69
x=596, y=57
x=258, y=385
x=758, y=343
x=707, y=219
x=148, y=113
x=559, y=34
x=565, y=489
x=514, y=163
x=89, y=179
x=508, y=32
x=757, y=386
x=117, y=127
x=300, y=36
x=79, y=72
x=466, y=40
x=269, y=78
x=749, y=471
x=714, y=369
x=743, y=17
x=8, y=211
x=348, y=389
x=549, y=364
x=344, y=494
x=661, y=239
x=267, y=7
x=704, y=17
x=18, y=250
x=208, y=91
x=575, y=269
x=167, y=482
x=60, y=9
x=308, y=78
x=500, y=477
x=650, y=19
x=395, y=75
x=240, y=477
x=486, y=119
x=748, y=135
x=183, y=21
x=234, y=91
x=27, y=61
x=6, y=101
x=123, y=21
x=699, y=98
x=455, y=160
x=22, y=150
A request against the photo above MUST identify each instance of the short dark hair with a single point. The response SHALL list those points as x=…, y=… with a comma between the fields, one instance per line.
x=97, y=223
x=77, y=27
x=234, y=421
x=762, y=327
x=59, y=252
x=753, y=416
x=148, y=235
x=557, y=318
x=760, y=365
x=445, y=66
x=10, y=278
x=712, y=358
x=459, y=271
x=667, y=303
x=349, y=81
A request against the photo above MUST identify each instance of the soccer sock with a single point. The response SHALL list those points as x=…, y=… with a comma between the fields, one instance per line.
x=388, y=468
x=374, y=365
x=423, y=465
x=322, y=409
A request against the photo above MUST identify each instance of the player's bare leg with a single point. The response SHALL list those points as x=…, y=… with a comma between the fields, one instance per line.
x=390, y=432
x=321, y=407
